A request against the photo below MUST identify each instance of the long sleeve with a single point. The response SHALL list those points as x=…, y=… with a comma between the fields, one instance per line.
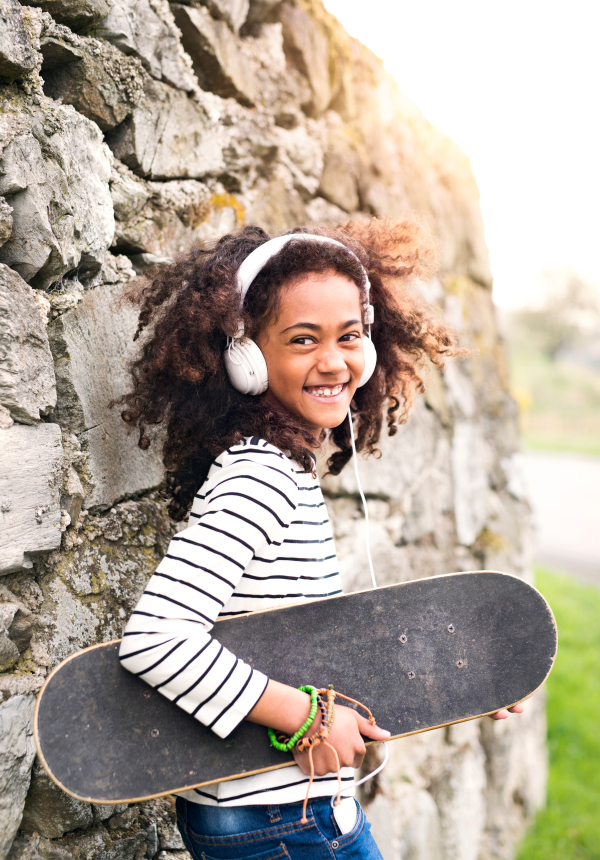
x=244, y=507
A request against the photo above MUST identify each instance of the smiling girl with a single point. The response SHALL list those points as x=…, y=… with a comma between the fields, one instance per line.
x=242, y=466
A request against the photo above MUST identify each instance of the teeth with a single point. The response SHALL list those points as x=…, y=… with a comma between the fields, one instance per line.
x=321, y=391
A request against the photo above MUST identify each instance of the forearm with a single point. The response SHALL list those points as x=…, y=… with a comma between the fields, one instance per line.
x=281, y=707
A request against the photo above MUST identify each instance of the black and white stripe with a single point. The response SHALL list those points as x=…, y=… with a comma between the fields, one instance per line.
x=258, y=536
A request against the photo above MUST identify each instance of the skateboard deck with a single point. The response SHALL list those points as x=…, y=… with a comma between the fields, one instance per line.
x=420, y=655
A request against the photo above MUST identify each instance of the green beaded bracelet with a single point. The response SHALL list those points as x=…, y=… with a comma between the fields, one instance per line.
x=286, y=747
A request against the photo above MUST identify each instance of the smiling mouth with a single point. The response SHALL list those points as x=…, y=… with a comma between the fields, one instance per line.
x=326, y=390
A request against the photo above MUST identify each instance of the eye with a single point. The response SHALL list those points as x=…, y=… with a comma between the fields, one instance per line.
x=303, y=340
x=347, y=338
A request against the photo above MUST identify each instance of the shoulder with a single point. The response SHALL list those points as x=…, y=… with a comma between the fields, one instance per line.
x=255, y=458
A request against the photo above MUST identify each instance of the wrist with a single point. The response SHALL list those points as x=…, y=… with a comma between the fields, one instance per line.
x=282, y=708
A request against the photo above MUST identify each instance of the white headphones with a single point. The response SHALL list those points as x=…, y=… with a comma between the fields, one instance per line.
x=244, y=361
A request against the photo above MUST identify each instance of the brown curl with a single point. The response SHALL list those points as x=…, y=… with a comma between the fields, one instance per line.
x=190, y=308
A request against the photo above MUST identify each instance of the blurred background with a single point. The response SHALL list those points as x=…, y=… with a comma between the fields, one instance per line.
x=516, y=85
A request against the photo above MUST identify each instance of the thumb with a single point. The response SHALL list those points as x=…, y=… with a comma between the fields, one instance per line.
x=370, y=731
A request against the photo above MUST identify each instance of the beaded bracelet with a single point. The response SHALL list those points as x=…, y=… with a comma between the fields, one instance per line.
x=289, y=744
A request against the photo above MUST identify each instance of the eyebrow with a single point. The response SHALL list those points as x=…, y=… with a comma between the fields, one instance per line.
x=315, y=327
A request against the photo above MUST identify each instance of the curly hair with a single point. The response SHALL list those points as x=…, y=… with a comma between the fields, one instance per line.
x=189, y=309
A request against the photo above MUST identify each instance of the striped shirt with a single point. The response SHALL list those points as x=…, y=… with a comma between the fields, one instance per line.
x=258, y=536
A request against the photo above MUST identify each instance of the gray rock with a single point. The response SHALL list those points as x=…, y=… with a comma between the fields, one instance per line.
x=49, y=811
x=470, y=456
x=27, y=384
x=342, y=168
x=17, y=751
x=15, y=632
x=94, y=844
x=460, y=799
x=30, y=477
x=234, y=12
x=128, y=192
x=168, y=136
x=102, y=812
x=172, y=220
x=17, y=54
x=76, y=14
x=98, y=334
x=218, y=63
x=6, y=221
x=261, y=11
x=97, y=79
x=55, y=174
x=307, y=49
x=145, y=28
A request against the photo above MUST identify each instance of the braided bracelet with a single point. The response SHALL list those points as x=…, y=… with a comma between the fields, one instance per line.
x=286, y=746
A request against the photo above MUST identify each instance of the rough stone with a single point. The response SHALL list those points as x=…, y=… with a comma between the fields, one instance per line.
x=5, y=418
x=6, y=221
x=91, y=75
x=76, y=14
x=17, y=751
x=95, y=844
x=460, y=800
x=55, y=175
x=49, y=811
x=301, y=151
x=261, y=11
x=146, y=29
x=517, y=773
x=234, y=12
x=17, y=54
x=90, y=589
x=99, y=333
x=341, y=169
x=307, y=48
x=30, y=476
x=159, y=219
x=214, y=51
x=168, y=136
x=27, y=384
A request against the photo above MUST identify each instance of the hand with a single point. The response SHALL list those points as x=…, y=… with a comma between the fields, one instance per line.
x=503, y=714
x=345, y=737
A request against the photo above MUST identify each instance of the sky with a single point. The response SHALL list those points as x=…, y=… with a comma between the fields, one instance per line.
x=517, y=85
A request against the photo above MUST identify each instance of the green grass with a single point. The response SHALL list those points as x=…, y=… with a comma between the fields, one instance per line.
x=569, y=827
x=559, y=401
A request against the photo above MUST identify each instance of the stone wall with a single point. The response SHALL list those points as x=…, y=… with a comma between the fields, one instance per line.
x=129, y=131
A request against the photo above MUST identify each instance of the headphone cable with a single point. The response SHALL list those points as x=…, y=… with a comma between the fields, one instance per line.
x=362, y=496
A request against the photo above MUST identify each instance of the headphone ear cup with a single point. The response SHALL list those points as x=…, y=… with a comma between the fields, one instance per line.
x=370, y=360
x=246, y=367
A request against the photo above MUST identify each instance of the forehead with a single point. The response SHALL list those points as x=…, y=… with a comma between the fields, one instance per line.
x=327, y=293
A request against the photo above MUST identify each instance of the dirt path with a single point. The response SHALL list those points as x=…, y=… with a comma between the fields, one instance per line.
x=565, y=494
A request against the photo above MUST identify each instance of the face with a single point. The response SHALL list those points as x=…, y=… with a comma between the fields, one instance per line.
x=313, y=349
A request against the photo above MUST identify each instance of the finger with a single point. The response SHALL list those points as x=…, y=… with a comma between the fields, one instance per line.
x=500, y=715
x=518, y=709
x=302, y=762
x=369, y=731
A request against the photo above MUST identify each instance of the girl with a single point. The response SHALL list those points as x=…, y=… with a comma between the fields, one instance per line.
x=253, y=353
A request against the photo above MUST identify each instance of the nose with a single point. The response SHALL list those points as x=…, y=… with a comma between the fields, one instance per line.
x=331, y=359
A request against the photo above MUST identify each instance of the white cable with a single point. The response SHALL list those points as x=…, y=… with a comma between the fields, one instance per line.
x=362, y=496
x=365, y=778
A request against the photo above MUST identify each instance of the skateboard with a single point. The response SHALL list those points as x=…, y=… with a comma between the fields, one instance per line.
x=420, y=655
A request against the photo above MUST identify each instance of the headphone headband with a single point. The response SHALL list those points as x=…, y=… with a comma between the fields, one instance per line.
x=258, y=259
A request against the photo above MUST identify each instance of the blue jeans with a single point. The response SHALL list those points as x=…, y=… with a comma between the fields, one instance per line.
x=272, y=833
